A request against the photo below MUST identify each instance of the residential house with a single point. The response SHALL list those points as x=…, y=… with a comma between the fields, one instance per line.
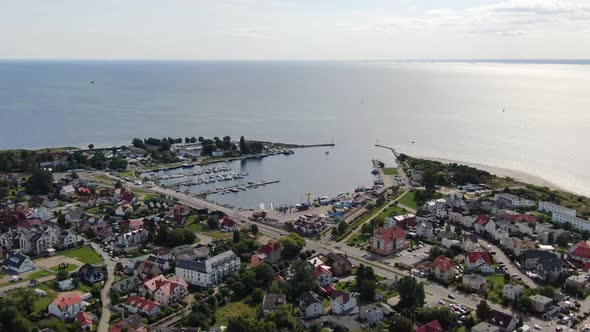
x=339, y=264
x=73, y=215
x=541, y=303
x=16, y=263
x=448, y=243
x=66, y=285
x=210, y=271
x=424, y=215
x=310, y=305
x=42, y=213
x=443, y=269
x=470, y=242
x=164, y=253
x=468, y=221
x=178, y=213
x=146, y=269
x=483, y=224
x=404, y=221
x=485, y=327
x=513, y=292
x=576, y=222
x=270, y=253
x=133, y=323
x=577, y=281
x=127, y=285
x=67, y=238
x=67, y=192
x=137, y=304
x=133, y=223
x=322, y=276
x=342, y=302
x=88, y=201
x=272, y=302
x=228, y=224
x=579, y=253
x=124, y=210
x=163, y=264
x=425, y=230
x=67, y=305
x=433, y=326
x=165, y=291
x=132, y=238
x=475, y=282
x=85, y=321
x=479, y=261
x=505, y=322
x=551, y=208
x=520, y=246
x=372, y=314
x=92, y=273
x=547, y=264
x=387, y=241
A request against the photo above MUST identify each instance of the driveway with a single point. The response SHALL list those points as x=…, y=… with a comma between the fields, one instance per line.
x=510, y=267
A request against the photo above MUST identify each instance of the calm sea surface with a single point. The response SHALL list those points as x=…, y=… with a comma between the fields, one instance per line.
x=450, y=110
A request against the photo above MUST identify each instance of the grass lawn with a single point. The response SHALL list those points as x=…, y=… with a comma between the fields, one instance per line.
x=128, y=173
x=39, y=274
x=219, y=235
x=197, y=228
x=234, y=309
x=390, y=171
x=70, y=268
x=495, y=288
x=409, y=200
x=358, y=238
x=94, y=210
x=392, y=210
x=104, y=178
x=84, y=255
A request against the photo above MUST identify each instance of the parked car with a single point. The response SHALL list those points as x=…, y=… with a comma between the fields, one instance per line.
x=451, y=296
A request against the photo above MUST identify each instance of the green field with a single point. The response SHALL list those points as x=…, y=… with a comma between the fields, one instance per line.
x=495, y=288
x=203, y=229
x=390, y=171
x=40, y=274
x=128, y=173
x=84, y=255
x=233, y=309
x=409, y=200
x=70, y=268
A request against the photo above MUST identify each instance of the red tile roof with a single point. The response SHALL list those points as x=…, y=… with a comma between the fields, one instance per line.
x=269, y=248
x=581, y=249
x=443, y=263
x=319, y=270
x=389, y=234
x=474, y=256
x=67, y=299
x=433, y=326
x=228, y=222
x=141, y=303
x=84, y=319
x=482, y=219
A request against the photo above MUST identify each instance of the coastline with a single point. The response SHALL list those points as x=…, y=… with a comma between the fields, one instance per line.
x=505, y=172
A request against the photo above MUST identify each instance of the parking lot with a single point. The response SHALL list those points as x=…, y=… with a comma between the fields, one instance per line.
x=413, y=257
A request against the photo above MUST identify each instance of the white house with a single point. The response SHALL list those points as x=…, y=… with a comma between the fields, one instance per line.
x=342, y=302
x=551, y=208
x=18, y=263
x=123, y=210
x=209, y=272
x=372, y=314
x=513, y=200
x=475, y=282
x=67, y=305
x=132, y=238
x=468, y=221
x=42, y=213
x=67, y=191
x=136, y=304
x=310, y=305
x=68, y=238
x=322, y=275
x=513, y=292
x=578, y=223
x=165, y=291
x=479, y=261
x=425, y=230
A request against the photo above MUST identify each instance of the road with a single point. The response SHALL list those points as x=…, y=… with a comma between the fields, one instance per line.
x=103, y=323
x=402, y=173
x=500, y=256
x=25, y=283
x=324, y=246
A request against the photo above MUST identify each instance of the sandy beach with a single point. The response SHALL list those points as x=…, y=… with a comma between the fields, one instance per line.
x=504, y=172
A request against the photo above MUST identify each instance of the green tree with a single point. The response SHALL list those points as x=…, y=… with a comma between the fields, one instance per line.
x=236, y=236
x=62, y=275
x=282, y=318
x=525, y=305
x=367, y=289
x=585, y=235
x=244, y=149
x=401, y=324
x=483, y=310
x=292, y=244
x=302, y=280
x=212, y=222
x=411, y=293
x=40, y=182
x=118, y=163
x=257, y=296
x=264, y=273
x=442, y=314
x=91, y=146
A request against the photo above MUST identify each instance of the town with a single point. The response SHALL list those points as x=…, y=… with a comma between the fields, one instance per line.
x=89, y=244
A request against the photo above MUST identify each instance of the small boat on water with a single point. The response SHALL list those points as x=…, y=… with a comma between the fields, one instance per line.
x=327, y=152
x=374, y=171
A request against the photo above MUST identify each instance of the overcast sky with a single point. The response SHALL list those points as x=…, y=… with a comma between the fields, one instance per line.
x=294, y=29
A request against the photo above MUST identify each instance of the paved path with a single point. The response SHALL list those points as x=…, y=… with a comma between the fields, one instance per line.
x=103, y=323
x=510, y=267
x=25, y=283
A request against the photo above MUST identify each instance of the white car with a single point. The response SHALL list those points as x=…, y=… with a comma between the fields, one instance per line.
x=386, y=262
x=537, y=327
x=441, y=302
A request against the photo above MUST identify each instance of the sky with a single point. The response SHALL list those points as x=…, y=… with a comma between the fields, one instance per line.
x=294, y=29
